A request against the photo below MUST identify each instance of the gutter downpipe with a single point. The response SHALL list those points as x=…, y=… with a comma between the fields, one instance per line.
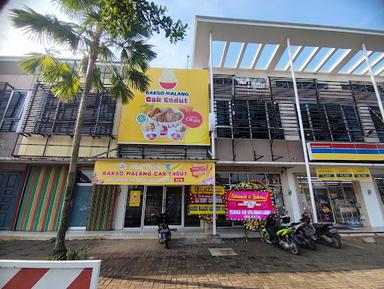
x=213, y=149
x=379, y=101
x=314, y=212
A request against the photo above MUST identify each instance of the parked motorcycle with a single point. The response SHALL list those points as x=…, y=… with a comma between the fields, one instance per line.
x=303, y=234
x=163, y=230
x=324, y=233
x=273, y=233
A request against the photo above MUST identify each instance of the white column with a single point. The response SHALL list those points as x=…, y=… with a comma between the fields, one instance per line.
x=213, y=149
x=314, y=213
x=373, y=203
x=373, y=81
x=121, y=205
x=291, y=197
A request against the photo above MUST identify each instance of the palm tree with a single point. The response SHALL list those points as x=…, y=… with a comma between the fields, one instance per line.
x=89, y=37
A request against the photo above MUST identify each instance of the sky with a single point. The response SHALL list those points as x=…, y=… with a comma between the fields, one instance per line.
x=365, y=14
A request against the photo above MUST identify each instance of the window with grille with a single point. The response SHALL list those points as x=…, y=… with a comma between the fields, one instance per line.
x=58, y=117
x=377, y=121
x=11, y=108
x=248, y=119
x=333, y=122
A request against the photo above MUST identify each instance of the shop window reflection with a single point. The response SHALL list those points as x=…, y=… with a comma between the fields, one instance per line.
x=335, y=201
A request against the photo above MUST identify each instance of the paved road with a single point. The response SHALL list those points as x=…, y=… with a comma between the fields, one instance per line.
x=129, y=264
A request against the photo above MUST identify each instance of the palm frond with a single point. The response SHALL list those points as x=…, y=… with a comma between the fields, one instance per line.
x=105, y=53
x=45, y=28
x=136, y=79
x=75, y=8
x=65, y=82
x=137, y=54
x=119, y=90
x=96, y=82
x=35, y=61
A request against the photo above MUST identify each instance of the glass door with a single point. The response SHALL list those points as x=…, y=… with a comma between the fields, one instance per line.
x=153, y=204
x=134, y=207
x=80, y=205
x=173, y=205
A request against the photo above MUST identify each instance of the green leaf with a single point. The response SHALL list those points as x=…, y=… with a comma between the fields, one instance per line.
x=34, y=61
x=119, y=90
x=45, y=28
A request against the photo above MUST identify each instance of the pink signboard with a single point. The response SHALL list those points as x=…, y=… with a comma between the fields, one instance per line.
x=248, y=205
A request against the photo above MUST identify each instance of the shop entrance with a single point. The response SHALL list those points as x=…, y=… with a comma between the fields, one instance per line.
x=155, y=200
x=335, y=201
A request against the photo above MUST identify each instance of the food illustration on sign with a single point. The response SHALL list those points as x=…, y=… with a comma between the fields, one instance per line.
x=167, y=114
x=168, y=79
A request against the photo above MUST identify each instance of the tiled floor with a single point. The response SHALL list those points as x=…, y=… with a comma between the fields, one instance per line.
x=128, y=264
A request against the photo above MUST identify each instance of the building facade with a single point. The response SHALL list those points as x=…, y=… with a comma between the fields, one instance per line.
x=257, y=133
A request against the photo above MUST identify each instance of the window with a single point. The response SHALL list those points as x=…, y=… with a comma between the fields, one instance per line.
x=248, y=119
x=241, y=125
x=315, y=126
x=300, y=84
x=331, y=122
x=223, y=118
x=11, y=108
x=377, y=122
x=60, y=117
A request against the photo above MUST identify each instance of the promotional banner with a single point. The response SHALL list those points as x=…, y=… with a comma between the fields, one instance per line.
x=148, y=172
x=343, y=174
x=134, y=198
x=174, y=110
x=200, y=200
x=248, y=205
x=345, y=151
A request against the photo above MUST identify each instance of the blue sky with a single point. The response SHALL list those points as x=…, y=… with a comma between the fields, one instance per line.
x=366, y=14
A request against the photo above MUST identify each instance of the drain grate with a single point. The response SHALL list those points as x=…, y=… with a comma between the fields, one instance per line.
x=218, y=252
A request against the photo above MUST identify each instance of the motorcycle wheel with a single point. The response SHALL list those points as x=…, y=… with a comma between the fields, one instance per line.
x=265, y=237
x=166, y=244
x=336, y=243
x=294, y=248
x=311, y=244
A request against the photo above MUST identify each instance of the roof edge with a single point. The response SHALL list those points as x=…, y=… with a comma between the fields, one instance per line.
x=224, y=20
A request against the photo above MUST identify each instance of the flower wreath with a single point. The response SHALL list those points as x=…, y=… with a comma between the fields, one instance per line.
x=252, y=224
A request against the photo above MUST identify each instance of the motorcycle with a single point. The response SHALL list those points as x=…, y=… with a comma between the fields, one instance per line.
x=324, y=233
x=303, y=234
x=272, y=233
x=163, y=230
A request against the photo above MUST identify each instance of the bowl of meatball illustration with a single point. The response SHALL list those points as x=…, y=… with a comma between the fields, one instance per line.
x=165, y=118
x=177, y=132
x=151, y=130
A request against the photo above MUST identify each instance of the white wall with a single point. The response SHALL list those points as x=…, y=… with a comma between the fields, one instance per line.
x=373, y=203
x=119, y=214
x=291, y=196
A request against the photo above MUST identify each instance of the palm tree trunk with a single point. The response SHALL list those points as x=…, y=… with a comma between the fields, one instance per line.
x=60, y=250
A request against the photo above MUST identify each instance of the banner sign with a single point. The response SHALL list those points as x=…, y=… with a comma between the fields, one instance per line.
x=200, y=200
x=173, y=110
x=148, y=172
x=345, y=151
x=343, y=174
x=248, y=205
x=134, y=198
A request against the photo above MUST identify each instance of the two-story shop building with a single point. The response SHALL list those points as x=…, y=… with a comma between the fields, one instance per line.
x=315, y=132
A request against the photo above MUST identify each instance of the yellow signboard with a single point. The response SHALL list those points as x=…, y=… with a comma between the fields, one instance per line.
x=207, y=190
x=343, y=174
x=134, y=198
x=173, y=110
x=200, y=200
x=148, y=172
x=206, y=210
